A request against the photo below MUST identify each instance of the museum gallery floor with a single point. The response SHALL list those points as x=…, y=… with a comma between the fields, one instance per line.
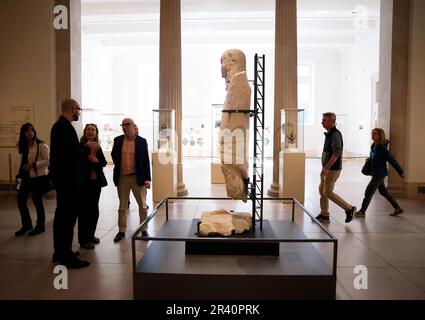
x=391, y=248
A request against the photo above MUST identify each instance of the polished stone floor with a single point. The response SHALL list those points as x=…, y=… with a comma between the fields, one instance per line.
x=391, y=248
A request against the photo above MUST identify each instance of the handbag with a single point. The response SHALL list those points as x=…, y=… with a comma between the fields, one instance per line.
x=367, y=168
x=43, y=183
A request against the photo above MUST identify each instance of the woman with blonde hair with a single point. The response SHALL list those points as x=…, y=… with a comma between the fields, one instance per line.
x=379, y=156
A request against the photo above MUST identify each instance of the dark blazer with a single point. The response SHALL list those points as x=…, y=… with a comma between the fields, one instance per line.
x=65, y=155
x=379, y=156
x=143, y=170
x=88, y=166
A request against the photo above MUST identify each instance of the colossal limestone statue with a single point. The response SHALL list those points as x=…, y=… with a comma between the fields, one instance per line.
x=233, y=139
x=234, y=126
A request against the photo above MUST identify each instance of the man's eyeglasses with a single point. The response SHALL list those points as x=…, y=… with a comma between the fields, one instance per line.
x=127, y=124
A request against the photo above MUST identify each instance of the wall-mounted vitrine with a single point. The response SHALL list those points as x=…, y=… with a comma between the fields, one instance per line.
x=292, y=129
x=164, y=130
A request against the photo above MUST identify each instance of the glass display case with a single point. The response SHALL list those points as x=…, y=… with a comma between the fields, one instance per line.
x=109, y=128
x=292, y=130
x=195, y=136
x=164, y=130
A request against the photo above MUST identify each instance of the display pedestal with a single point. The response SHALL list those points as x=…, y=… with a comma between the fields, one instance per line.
x=292, y=177
x=166, y=272
x=108, y=157
x=217, y=176
x=233, y=248
x=164, y=175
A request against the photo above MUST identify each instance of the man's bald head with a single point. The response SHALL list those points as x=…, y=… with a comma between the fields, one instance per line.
x=68, y=104
x=127, y=121
x=129, y=128
x=71, y=109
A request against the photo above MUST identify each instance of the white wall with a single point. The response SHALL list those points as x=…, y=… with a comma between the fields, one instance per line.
x=119, y=83
x=97, y=77
x=327, y=70
x=343, y=85
x=359, y=65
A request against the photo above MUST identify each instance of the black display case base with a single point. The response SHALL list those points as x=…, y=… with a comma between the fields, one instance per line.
x=299, y=272
x=236, y=248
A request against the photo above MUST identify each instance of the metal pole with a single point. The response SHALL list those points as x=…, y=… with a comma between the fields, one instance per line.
x=293, y=210
x=262, y=134
x=335, y=257
x=254, y=165
x=133, y=252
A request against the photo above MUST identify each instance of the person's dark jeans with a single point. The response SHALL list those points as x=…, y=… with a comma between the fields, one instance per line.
x=87, y=220
x=68, y=205
x=377, y=183
x=27, y=188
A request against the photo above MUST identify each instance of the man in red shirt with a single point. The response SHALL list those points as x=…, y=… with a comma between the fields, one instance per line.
x=131, y=172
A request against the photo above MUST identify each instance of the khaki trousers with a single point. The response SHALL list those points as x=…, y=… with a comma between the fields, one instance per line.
x=127, y=183
x=326, y=190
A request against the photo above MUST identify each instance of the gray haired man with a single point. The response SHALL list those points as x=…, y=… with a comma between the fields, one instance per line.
x=332, y=166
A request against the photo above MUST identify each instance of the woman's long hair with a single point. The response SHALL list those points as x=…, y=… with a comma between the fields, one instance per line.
x=23, y=142
x=381, y=132
x=84, y=140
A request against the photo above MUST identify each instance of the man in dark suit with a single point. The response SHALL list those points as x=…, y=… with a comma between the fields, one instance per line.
x=65, y=167
x=131, y=172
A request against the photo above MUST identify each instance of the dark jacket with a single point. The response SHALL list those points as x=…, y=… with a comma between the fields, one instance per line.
x=88, y=166
x=65, y=155
x=379, y=156
x=143, y=171
x=333, y=145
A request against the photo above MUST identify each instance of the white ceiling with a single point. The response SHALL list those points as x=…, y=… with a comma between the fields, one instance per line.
x=330, y=26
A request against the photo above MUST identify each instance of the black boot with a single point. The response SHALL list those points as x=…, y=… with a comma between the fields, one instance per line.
x=37, y=230
x=22, y=231
x=56, y=257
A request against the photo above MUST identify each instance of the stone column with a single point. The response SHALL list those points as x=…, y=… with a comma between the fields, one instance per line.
x=68, y=57
x=170, y=74
x=393, y=82
x=285, y=92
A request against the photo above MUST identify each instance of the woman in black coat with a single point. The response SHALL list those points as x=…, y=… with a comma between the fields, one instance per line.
x=379, y=156
x=93, y=181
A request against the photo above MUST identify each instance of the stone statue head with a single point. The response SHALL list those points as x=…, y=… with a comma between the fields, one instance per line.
x=232, y=61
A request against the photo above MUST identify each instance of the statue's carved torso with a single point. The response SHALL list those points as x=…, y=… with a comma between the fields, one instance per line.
x=235, y=126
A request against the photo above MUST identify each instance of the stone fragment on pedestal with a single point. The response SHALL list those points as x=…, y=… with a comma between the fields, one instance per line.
x=223, y=223
x=242, y=222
